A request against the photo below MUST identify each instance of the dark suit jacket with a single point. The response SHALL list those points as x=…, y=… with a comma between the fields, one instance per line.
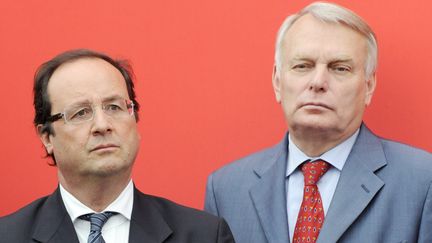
x=153, y=219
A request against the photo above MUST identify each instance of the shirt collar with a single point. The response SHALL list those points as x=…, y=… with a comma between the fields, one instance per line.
x=122, y=205
x=336, y=156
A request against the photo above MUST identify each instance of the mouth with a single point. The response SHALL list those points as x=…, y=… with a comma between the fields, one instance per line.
x=315, y=105
x=104, y=147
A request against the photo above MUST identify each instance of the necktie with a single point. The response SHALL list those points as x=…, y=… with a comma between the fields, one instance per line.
x=311, y=214
x=97, y=220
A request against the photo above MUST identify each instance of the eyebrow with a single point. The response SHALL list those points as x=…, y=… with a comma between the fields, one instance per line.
x=79, y=103
x=344, y=60
x=113, y=97
x=331, y=61
x=87, y=102
x=299, y=59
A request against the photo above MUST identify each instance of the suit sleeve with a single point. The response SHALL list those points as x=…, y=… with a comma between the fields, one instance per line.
x=425, y=233
x=224, y=233
x=210, y=200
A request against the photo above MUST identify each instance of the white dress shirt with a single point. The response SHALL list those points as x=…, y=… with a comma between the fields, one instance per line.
x=326, y=185
x=116, y=229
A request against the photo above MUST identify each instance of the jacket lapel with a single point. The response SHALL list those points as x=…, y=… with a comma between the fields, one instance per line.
x=147, y=224
x=53, y=223
x=268, y=195
x=357, y=186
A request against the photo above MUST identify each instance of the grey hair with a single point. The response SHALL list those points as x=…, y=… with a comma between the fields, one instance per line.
x=332, y=13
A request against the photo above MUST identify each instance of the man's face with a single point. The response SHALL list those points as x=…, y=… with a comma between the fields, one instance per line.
x=103, y=146
x=322, y=84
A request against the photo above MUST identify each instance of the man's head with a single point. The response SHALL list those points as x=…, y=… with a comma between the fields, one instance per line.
x=324, y=73
x=86, y=114
x=332, y=13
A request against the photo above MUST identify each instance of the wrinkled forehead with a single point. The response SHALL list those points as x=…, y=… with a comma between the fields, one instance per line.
x=313, y=37
x=91, y=79
x=309, y=24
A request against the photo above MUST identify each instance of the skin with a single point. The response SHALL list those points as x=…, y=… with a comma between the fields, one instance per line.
x=95, y=158
x=321, y=84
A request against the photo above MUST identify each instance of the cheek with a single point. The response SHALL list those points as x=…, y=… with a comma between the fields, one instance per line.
x=293, y=86
x=69, y=142
x=131, y=135
x=291, y=94
x=352, y=101
x=132, y=142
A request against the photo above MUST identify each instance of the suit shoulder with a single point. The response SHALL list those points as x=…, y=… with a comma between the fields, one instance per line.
x=188, y=224
x=409, y=158
x=175, y=211
x=247, y=163
x=397, y=150
x=19, y=224
x=24, y=213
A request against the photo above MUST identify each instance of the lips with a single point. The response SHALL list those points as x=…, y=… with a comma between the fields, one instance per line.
x=104, y=147
x=316, y=104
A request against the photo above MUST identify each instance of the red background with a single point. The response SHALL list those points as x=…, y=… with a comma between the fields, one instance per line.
x=203, y=73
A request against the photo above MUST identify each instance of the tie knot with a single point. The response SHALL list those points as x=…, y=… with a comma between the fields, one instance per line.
x=97, y=220
x=312, y=171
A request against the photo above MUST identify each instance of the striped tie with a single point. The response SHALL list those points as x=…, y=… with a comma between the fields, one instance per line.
x=97, y=220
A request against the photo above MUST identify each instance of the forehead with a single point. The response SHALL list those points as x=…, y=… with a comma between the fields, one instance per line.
x=312, y=37
x=85, y=79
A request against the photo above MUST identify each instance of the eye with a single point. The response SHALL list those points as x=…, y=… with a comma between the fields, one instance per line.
x=113, y=107
x=341, y=69
x=302, y=67
x=80, y=113
x=116, y=106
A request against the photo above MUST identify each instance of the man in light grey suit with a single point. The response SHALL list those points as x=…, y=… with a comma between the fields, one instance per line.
x=372, y=190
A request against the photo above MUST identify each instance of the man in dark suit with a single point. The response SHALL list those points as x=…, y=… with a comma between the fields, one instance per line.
x=330, y=179
x=86, y=117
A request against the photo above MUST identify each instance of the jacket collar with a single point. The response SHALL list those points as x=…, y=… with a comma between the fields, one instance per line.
x=269, y=194
x=357, y=186
x=53, y=224
x=147, y=223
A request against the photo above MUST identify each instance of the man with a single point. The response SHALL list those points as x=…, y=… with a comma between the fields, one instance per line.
x=330, y=179
x=86, y=115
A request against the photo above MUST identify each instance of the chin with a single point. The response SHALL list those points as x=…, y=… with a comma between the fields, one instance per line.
x=313, y=122
x=314, y=128
x=107, y=172
x=111, y=167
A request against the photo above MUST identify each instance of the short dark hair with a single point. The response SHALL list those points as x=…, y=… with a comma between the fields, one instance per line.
x=41, y=101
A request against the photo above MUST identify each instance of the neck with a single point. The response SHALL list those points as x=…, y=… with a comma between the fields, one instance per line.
x=316, y=143
x=95, y=192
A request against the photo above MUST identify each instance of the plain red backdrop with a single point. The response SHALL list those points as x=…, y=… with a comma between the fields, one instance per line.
x=203, y=73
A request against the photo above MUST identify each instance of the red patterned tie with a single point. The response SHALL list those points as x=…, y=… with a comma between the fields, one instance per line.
x=311, y=213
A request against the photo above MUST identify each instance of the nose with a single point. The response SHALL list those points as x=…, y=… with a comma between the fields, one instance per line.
x=319, y=79
x=101, y=123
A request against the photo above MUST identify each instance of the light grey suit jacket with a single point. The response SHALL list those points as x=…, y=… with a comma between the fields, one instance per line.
x=384, y=194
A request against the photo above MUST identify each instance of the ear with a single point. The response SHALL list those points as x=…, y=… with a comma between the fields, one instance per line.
x=276, y=83
x=370, y=88
x=45, y=138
